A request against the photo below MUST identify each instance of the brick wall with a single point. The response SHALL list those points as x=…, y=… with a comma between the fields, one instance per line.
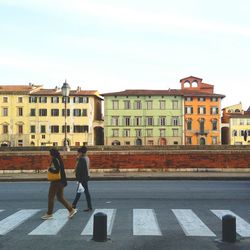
x=121, y=160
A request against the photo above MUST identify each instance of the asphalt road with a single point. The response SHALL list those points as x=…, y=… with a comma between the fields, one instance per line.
x=141, y=215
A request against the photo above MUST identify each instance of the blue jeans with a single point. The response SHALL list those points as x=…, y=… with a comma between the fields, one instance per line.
x=87, y=195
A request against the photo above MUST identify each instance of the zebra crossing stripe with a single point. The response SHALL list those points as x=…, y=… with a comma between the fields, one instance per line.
x=191, y=224
x=16, y=219
x=145, y=222
x=88, y=230
x=53, y=226
x=1, y=210
x=242, y=227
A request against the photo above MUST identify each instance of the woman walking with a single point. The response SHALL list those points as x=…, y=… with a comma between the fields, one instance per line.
x=82, y=176
x=57, y=187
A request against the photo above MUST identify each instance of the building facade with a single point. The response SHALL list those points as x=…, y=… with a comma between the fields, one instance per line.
x=143, y=117
x=33, y=116
x=202, y=112
x=235, y=125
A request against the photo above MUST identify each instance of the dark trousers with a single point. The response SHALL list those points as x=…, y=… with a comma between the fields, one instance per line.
x=56, y=189
x=87, y=195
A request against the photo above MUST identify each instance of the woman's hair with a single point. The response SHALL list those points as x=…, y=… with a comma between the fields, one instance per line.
x=55, y=153
x=82, y=150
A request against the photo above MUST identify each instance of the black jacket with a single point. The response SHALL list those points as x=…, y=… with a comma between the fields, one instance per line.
x=82, y=170
x=59, y=166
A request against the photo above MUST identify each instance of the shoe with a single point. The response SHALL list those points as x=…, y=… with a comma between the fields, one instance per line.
x=47, y=217
x=72, y=213
x=87, y=210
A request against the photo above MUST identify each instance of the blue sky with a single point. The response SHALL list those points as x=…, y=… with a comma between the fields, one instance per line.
x=112, y=45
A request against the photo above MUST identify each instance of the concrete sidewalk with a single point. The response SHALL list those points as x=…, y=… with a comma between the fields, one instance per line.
x=5, y=177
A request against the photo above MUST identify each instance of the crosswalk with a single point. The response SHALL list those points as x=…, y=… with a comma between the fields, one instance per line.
x=144, y=222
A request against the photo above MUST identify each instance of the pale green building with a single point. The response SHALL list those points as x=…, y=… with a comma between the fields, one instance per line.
x=143, y=117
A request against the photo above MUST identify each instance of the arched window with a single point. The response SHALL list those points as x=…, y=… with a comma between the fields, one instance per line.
x=138, y=142
x=187, y=84
x=194, y=84
x=202, y=141
x=116, y=143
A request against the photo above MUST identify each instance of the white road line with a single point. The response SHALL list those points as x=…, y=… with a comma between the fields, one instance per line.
x=16, y=219
x=88, y=230
x=52, y=226
x=145, y=222
x=242, y=227
x=1, y=210
x=191, y=224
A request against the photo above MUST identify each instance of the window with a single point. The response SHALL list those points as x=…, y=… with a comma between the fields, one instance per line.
x=149, y=105
x=115, y=120
x=20, y=99
x=188, y=99
x=175, y=104
x=20, y=111
x=138, y=121
x=32, y=99
x=127, y=121
x=20, y=129
x=84, y=112
x=248, y=121
x=138, y=133
x=54, y=112
x=77, y=112
x=175, y=132
x=33, y=129
x=149, y=132
x=5, y=112
x=214, y=99
x=214, y=124
x=32, y=112
x=127, y=104
x=55, y=99
x=5, y=99
x=188, y=110
x=189, y=140
x=33, y=137
x=54, y=129
x=80, y=99
x=126, y=132
x=20, y=143
x=5, y=129
x=234, y=133
x=42, y=112
x=201, y=99
x=189, y=124
x=162, y=121
x=214, y=111
x=43, y=129
x=202, y=110
x=138, y=105
x=43, y=136
x=175, y=120
x=241, y=122
x=115, y=104
x=115, y=132
x=63, y=129
x=68, y=112
x=242, y=132
x=149, y=121
x=162, y=132
x=66, y=99
x=43, y=99
x=214, y=140
x=81, y=129
x=162, y=104
x=202, y=125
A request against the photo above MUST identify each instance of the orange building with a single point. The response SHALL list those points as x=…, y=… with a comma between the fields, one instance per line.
x=202, y=112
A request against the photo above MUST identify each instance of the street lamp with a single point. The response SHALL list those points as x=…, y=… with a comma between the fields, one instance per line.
x=65, y=94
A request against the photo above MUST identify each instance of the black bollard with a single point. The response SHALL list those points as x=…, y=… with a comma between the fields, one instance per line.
x=100, y=227
x=228, y=228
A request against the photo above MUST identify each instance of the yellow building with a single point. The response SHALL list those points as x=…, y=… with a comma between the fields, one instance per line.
x=34, y=116
x=235, y=125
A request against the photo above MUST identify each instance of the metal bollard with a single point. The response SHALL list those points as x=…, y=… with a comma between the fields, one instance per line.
x=228, y=228
x=100, y=227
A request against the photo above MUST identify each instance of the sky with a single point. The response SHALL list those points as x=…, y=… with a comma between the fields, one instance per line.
x=113, y=45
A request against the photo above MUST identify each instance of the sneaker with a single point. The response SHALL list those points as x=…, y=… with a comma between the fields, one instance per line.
x=72, y=213
x=47, y=217
x=87, y=210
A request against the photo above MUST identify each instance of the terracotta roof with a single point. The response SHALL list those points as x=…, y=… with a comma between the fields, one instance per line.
x=25, y=89
x=169, y=92
x=143, y=92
